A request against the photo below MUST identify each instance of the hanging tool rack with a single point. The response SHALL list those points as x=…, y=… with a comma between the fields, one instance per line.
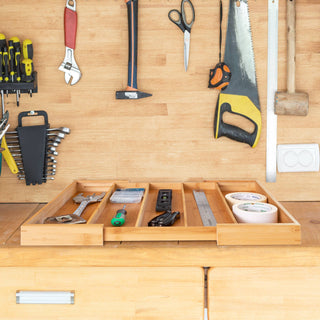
x=22, y=87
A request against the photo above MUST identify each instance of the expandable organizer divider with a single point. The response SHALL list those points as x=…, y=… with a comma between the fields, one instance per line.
x=188, y=228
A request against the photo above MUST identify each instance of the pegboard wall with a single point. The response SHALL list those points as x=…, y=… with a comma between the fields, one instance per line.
x=168, y=136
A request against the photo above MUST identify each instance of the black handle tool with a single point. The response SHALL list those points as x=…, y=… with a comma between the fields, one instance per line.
x=132, y=91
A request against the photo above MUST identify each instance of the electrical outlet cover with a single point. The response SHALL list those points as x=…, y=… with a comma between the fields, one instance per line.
x=298, y=157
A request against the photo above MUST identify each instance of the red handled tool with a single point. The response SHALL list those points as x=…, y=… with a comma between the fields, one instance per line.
x=220, y=76
x=69, y=65
x=132, y=91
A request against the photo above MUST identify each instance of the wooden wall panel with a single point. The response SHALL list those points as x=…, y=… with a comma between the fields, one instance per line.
x=170, y=135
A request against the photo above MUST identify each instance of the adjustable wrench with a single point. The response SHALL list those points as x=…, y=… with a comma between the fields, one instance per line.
x=75, y=217
x=69, y=65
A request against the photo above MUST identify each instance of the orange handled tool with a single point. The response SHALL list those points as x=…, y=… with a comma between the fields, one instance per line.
x=220, y=76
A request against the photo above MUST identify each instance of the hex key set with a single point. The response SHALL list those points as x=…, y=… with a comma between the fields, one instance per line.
x=33, y=147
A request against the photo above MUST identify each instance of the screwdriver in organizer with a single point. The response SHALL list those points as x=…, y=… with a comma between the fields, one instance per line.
x=5, y=66
x=27, y=49
x=17, y=65
x=11, y=59
x=26, y=71
x=27, y=63
x=3, y=44
x=17, y=50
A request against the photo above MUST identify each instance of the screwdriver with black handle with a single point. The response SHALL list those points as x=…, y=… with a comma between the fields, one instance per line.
x=16, y=43
x=11, y=59
x=5, y=66
x=2, y=45
x=17, y=50
x=17, y=65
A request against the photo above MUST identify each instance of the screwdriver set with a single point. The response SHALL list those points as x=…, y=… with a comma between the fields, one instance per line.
x=17, y=71
x=33, y=148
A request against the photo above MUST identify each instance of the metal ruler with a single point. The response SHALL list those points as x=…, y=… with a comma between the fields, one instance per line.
x=271, y=146
x=205, y=211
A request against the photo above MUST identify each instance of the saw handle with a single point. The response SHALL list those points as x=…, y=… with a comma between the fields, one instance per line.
x=242, y=106
x=70, y=28
x=233, y=132
x=291, y=39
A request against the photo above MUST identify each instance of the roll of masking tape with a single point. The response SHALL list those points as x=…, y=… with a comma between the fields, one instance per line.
x=241, y=197
x=255, y=212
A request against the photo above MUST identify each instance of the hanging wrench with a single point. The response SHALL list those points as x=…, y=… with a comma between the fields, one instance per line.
x=69, y=65
x=75, y=217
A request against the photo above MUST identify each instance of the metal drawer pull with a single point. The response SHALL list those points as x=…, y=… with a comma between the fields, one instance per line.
x=44, y=297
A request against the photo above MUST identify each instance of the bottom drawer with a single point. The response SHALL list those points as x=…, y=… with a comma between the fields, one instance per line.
x=105, y=293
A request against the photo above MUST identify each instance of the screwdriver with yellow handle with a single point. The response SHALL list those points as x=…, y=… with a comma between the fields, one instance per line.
x=27, y=49
x=11, y=59
x=5, y=66
x=27, y=70
x=3, y=44
x=17, y=49
x=18, y=73
x=27, y=63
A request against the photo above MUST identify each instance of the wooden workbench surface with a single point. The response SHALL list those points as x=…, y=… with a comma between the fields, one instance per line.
x=160, y=253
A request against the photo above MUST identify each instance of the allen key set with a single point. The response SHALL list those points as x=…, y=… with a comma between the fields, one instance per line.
x=33, y=148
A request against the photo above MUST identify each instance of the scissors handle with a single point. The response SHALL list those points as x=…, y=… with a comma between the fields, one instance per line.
x=177, y=21
x=184, y=18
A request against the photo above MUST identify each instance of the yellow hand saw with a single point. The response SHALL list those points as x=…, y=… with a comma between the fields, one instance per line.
x=241, y=96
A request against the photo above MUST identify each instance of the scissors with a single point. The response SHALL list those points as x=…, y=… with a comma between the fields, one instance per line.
x=180, y=19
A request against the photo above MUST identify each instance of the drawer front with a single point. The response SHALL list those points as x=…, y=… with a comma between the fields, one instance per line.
x=264, y=293
x=105, y=293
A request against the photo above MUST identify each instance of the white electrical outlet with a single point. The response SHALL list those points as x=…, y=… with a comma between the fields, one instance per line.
x=298, y=157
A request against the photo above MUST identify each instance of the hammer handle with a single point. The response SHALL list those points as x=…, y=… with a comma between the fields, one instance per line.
x=291, y=43
x=132, y=8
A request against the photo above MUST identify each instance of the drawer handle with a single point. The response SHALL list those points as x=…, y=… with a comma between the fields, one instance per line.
x=44, y=297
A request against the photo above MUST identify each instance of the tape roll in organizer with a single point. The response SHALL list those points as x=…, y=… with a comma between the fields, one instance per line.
x=255, y=212
x=241, y=197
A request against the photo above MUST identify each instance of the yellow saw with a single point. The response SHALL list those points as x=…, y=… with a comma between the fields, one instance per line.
x=241, y=96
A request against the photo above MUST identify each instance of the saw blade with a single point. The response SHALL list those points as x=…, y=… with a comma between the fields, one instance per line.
x=239, y=54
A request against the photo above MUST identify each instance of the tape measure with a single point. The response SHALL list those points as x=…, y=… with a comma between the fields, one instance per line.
x=205, y=211
x=271, y=143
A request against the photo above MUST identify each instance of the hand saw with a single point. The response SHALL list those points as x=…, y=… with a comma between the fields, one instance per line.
x=241, y=96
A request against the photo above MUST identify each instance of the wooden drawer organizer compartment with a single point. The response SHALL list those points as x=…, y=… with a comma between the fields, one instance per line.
x=188, y=228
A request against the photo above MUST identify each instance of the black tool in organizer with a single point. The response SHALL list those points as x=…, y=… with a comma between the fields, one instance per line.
x=33, y=144
x=164, y=200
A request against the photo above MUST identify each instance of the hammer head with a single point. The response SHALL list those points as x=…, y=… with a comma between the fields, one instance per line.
x=132, y=94
x=294, y=104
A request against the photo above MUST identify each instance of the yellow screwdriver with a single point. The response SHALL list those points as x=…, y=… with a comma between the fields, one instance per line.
x=17, y=49
x=3, y=44
x=11, y=59
x=27, y=63
x=27, y=49
x=17, y=64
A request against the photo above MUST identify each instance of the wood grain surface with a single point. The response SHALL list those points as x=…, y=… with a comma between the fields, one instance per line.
x=168, y=136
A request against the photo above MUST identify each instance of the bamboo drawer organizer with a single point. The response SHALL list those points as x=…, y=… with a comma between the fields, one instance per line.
x=188, y=228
